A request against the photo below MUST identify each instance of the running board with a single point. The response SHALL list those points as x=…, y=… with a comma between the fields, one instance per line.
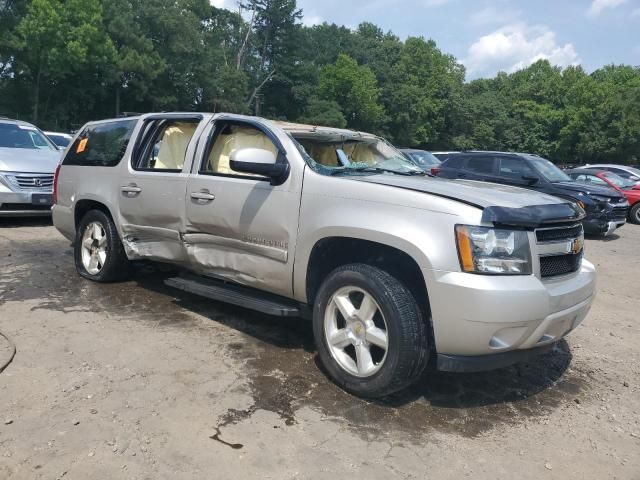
x=236, y=295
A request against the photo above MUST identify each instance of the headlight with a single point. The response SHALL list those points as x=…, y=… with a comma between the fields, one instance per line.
x=600, y=198
x=493, y=251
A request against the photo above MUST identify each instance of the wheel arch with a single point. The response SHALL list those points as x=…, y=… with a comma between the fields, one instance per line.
x=331, y=252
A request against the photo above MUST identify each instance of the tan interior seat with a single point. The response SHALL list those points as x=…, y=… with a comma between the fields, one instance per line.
x=235, y=137
x=173, y=147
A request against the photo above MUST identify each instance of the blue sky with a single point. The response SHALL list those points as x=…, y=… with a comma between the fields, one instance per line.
x=492, y=35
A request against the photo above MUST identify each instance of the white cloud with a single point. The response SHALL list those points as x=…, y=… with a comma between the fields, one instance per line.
x=597, y=6
x=220, y=3
x=517, y=46
x=311, y=20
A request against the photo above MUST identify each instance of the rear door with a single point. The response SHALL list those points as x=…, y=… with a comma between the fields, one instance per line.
x=152, y=191
x=240, y=227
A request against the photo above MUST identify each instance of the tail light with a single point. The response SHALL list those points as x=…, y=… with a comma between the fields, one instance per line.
x=435, y=171
x=54, y=195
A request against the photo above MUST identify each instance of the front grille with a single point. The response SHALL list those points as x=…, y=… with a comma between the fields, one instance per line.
x=558, y=234
x=560, y=264
x=619, y=213
x=32, y=182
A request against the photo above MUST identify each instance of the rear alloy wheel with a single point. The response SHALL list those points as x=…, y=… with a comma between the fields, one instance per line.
x=370, y=333
x=94, y=248
x=634, y=214
x=98, y=251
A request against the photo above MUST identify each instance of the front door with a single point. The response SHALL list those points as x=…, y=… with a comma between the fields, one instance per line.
x=152, y=193
x=241, y=227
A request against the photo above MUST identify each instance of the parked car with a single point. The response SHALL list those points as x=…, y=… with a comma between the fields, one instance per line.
x=628, y=188
x=28, y=160
x=423, y=159
x=442, y=156
x=394, y=268
x=606, y=209
x=60, y=139
x=624, y=171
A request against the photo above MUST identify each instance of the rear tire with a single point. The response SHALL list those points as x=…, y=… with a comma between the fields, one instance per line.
x=369, y=331
x=98, y=252
x=634, y=214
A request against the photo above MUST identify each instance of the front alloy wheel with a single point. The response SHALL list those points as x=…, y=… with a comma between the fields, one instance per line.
x=370, y=332
x=356, y=331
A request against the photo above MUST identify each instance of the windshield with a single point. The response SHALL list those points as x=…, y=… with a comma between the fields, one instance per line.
x=548, y=170
x=349, y=155
x=59, y=140
x=424, y=159
x=618, y=181
x=20, y=136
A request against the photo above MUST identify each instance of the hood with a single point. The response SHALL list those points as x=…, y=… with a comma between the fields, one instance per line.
x=588, y=189
x=29, y=160
x=480, y=194
x=501, y=204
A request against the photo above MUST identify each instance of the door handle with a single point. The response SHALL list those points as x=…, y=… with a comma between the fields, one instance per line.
x=131, y=190
x=203, y=196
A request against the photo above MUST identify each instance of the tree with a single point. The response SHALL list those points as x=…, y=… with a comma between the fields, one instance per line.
x=355, y=89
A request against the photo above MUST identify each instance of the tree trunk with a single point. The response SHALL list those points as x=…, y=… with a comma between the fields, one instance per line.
x=36, y=94
x=118, y=100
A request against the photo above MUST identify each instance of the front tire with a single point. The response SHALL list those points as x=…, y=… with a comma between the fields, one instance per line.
x=369, y=331
x=98, y=251
x=634, y=214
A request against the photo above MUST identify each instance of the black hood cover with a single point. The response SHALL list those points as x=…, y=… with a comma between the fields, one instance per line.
x=533, y=216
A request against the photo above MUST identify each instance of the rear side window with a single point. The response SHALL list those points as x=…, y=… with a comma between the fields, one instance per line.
x=101, y=145
x=481, y=165
x=454, y=162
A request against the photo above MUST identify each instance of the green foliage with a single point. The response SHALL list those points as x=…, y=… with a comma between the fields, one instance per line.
x=63, y=62
x=355, y=89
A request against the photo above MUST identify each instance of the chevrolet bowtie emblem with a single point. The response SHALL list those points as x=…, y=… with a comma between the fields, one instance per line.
x=576, y=246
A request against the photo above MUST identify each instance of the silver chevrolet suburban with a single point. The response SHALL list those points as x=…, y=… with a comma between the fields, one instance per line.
x=395, y=269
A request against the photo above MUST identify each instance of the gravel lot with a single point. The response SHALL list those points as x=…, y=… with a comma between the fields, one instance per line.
x=136, y=380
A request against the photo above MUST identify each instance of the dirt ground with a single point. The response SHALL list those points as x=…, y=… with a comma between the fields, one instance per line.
x=138, y=381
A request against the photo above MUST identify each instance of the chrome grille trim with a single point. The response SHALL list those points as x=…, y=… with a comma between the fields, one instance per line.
x=32, y=181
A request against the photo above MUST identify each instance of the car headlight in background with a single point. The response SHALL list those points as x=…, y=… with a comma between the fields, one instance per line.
x=493, y=251
x=600, y=198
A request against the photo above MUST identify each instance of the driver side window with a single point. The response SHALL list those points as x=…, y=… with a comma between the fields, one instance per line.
x=229, y=137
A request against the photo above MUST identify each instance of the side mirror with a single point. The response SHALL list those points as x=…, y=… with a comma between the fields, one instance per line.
x=258, y=162
x=530, y=179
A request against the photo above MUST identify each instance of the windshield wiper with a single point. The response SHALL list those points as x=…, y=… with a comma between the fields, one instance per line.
x=379, y=170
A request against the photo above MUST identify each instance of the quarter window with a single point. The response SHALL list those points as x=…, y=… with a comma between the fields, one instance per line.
x=101, y=145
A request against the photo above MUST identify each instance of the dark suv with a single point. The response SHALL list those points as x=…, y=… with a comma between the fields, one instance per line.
x=606, y=209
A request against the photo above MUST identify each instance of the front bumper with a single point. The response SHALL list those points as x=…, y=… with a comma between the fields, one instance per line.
x=24, y=204
x=605, y=222
x=478, y=315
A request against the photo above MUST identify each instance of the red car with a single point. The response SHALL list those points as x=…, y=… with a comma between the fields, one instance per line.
x=628, y=188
